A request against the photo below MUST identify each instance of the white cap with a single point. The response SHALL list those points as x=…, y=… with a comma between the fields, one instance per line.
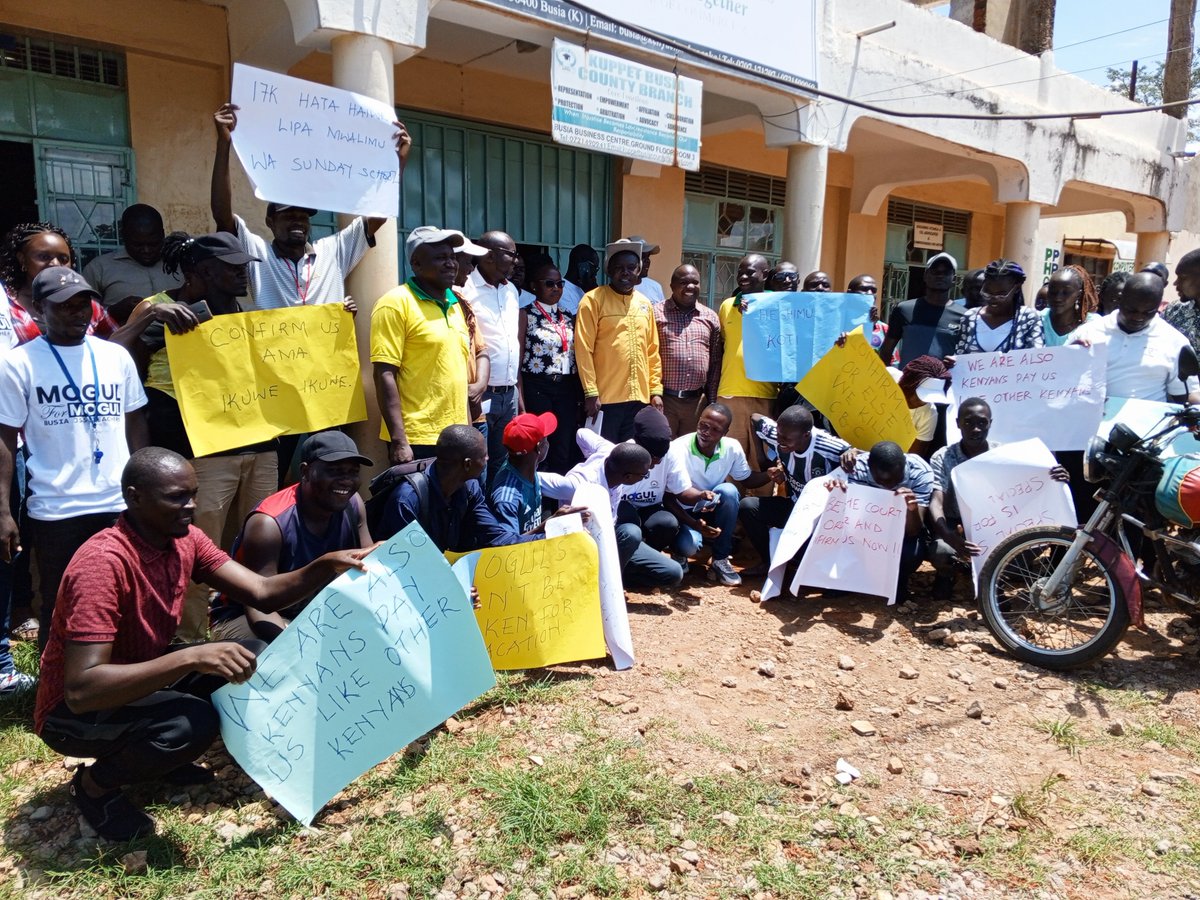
x=471, y=248
x=938, y=257
x=429, y=234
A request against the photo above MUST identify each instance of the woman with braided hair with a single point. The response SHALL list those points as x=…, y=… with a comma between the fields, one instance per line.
x=912, y=380
x=26, y=250
x=1004, y=323
x=1073, y=300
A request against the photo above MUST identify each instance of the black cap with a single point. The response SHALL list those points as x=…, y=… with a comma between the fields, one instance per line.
x=222, y=245
x=652, y=431
x=57, y=284
x=332, y=446
x=273, y=208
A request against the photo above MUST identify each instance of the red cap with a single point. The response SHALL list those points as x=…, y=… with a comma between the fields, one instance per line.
x=526, y=431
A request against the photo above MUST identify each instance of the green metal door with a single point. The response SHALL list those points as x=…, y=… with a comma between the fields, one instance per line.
x=477, y=178
x=83, y=189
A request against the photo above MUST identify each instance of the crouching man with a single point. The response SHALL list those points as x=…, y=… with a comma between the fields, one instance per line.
x=112, y=685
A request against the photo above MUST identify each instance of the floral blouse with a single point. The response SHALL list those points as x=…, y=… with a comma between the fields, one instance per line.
x=549, y=341
x=1024, y=332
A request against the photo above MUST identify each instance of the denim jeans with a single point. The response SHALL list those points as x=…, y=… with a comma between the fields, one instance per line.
x=503, y=410
x=641, y=564
x=723, y=517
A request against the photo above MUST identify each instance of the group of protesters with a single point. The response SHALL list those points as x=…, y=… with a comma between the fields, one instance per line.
x=504, y=384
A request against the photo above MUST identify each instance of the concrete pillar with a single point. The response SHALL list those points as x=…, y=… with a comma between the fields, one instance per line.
x=366, y=64
x=804, y=207
x=1020, y=242
x=1152, y=246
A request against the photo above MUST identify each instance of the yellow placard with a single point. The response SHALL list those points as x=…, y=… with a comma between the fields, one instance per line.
x=852, y=387
x=540, y=602
x=249, y=377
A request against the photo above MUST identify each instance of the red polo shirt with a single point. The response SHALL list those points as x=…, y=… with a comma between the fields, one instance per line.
x=119, y=590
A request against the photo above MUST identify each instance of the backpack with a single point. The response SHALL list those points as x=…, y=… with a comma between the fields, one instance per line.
x=385, y=483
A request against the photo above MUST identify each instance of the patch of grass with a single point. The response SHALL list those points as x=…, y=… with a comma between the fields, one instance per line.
x=1167, y=735
x=1030, y=804
x=1094, y=845
x=1063, y=732
x=757, y=727
x=1123, y=698
x=515, y=688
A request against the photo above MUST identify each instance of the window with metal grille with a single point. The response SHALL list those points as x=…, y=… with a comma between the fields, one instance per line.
x=905, y=212
x=48, y=57
x=734, y=184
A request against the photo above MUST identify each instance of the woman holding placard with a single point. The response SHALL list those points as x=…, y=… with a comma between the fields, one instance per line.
x=1073, y=300
x=1003, y=323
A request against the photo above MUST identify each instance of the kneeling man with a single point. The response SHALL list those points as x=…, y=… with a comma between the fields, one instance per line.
x=112, y=685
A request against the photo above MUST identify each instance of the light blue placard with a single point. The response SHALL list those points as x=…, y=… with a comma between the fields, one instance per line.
x=377, y=659
x=785, y=333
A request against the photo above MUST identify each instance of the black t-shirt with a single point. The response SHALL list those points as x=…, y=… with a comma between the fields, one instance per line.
x=925, y=329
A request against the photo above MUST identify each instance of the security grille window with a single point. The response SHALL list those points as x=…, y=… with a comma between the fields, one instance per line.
x=62, y=60
x=904, y=215
x=727, y=214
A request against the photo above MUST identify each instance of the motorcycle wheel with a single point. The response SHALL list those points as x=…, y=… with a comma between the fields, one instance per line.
x=1083, y=622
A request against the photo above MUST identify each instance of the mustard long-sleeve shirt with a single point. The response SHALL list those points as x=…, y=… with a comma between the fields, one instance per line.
x=616, y=347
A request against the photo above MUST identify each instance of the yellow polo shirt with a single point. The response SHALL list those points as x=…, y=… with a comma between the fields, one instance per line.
x=734, y=382
x=616, y=347
x=426, y=339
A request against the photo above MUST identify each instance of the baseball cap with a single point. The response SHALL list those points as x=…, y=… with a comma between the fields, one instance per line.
x=57, y=284
x=430, y=234
x=471, y=248
x=273, y=208
x=526, y=431
x=647, y=247
x=222, y=245
x=938, y=257
x=332, y=446
x=624, y=245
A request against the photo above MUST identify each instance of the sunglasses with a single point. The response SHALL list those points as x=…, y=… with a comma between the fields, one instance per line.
x=553, y=284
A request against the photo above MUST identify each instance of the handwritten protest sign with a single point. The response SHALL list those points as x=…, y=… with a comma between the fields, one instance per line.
x=851, y=385
x=308, y=144
x=798, y=529
x=612, y=593
x=784, y=333
x=1005, y=490
x=377, y=659
x=1147, y=417
x=857, y=543
x=1053, y=392
x=540, y=602
x=249, y=377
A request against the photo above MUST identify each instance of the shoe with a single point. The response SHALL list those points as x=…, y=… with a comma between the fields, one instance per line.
x=943, y=587
x=682, y=560
x=721, y=571
x=26, y=631
x=112, y=815
x=188, y=775
x=16, y=683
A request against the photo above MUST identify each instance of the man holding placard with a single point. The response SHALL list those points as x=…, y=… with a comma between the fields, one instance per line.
x=112, y=687
x=293, y=271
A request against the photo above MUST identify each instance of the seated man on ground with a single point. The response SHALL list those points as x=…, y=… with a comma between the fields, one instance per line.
x=643, y=504
x=906, y=474
x=319, y=514
x=804, y=452
x=622, y=466
x=709, y=457
x=447, y=499
x=951, y=547
x=113, y=687
x=518, y=488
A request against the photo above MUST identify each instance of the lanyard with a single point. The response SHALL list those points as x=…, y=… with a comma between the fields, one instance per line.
x=93, y=419
x=302, y=294
x=556, y=323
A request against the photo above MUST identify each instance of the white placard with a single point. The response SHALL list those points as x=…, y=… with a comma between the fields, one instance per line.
x=798, y=529
x=612, y=593
x=1055, y=393
x=1005, y=490
x=612, y=105
x=557, y=526
x=307, y=144
x=857, y=543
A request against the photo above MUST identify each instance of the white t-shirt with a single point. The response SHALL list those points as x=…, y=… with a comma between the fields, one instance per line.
x=571, y=295
x=706, y=473
x=591, y=471
x=652, y=290
x=924, y=418
x=8, y=337
x=319, y=277
x=1141, y=366
x=64, y=479
x=669, y=475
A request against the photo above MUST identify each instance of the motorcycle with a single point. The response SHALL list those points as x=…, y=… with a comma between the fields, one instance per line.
x=1059, y=597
